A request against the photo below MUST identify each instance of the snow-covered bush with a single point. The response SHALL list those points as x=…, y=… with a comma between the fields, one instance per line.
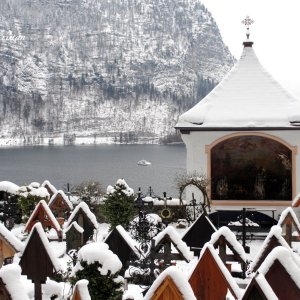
x=100, y=267
x=118, y=205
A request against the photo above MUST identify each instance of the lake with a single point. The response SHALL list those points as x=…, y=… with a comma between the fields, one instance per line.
x=104, y=163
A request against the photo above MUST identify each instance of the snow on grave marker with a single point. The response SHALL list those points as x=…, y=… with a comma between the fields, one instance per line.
x=209, y=270
x=11, y=287
x=288, y=220
x=120, y=243
x=273, y=240
x=43, y=214
x=60, y=205
x=224, y=238
x=85, y=219
x=50, y=188
x=74, y=236
x=38, y=260
x=165, y=239
x=199, y=233
x=170, y=284
x=279, y=275
x=9, y=244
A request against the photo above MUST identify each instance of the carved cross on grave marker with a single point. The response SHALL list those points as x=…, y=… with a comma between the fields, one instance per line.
x=38, y=261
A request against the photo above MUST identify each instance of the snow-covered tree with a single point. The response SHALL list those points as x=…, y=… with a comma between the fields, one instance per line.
x=118, y=205
x=100, y=267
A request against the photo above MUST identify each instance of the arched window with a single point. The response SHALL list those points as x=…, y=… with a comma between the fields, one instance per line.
x=251, y=167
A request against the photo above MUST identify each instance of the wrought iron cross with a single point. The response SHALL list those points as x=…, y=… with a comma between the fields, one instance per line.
x=247, y=22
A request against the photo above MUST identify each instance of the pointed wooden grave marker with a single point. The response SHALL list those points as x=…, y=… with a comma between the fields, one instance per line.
x=211, y=270
x=274, y=239
x=199, y=233
x=289, y=222
x=60, y=205
x=38, y=261
x=84, y=218
x=121, y=243
x=43, y=214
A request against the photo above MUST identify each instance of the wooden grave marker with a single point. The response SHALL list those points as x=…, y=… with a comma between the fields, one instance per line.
x=289, y=222
x=211, y=270
x=43, y=214
x=60, y=206
x=38, y=261
x=199, y=233
x=74, y=236
x=85, y=219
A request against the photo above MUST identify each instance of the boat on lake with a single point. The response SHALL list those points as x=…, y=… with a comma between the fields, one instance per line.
x=144, y=162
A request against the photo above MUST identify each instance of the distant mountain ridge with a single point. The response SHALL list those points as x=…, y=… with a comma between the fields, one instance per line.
x=106, y=70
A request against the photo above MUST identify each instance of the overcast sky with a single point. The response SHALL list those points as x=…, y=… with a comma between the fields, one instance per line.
x=275, y=33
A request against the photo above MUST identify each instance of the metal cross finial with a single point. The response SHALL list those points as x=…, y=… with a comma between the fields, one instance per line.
x=247, y=22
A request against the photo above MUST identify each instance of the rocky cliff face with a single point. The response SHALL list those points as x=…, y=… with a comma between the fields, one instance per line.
x=112, y=70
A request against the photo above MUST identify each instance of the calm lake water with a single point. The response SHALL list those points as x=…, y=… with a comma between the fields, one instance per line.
x=104, y=163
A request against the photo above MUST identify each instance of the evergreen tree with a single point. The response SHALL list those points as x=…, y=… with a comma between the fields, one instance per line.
x=118, y=205
x=101, y=268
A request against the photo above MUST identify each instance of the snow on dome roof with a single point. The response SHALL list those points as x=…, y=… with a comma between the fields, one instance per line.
x=230, y=238
x=176, y=239
x=179, y=279
x=82, y=205
x=247, y=97
x=11, y=277
x=98, y=252
x=9, y=187
x=288, y=260
x=64, y=196
x=11, y=238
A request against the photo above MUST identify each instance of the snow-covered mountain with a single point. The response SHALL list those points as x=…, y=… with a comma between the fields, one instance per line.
x=108, y=69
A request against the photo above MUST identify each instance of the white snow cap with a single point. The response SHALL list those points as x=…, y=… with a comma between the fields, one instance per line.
x=288, y=260
x=34, y=185
x=231, y=239
x=275, y=231
x=179, y=279
x=285, y=213
x=39, y=228
x=176, y=239
x=264, y=285
x=75, y=224
x=11, y=276
x=49, y=213
x=209, y=247
x=98, y=252
x=64, y=196
x=121, y=183
x=82, y=287
x=51, y=186
x=247, y=97
x=87, y=211
x=295, y=200
x=131, y=243
x=9, y=187
x=11, y=238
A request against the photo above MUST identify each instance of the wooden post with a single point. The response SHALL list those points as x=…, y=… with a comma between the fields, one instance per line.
x=37, y=290
x=289, y=231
